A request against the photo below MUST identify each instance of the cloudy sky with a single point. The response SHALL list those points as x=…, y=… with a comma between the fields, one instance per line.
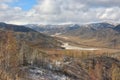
x=58, y=11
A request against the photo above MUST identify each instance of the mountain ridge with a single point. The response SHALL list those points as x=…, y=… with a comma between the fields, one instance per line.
x=105, y=33
x=31, y=36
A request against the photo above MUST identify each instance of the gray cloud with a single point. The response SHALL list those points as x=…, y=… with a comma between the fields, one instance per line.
x=62, y=11
x=100, y=3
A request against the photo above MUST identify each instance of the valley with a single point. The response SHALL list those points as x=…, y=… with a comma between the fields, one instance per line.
x=59, y=40
x=80, y=49
x=26, y=54
x=96, y=34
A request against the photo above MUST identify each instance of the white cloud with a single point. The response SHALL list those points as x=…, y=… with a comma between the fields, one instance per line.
x=62, y=11
x=8, y=14
x=48, y=7
x=3, y=6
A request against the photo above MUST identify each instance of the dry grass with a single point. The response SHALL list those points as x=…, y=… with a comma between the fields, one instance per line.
x=86, y=42
x=59, y=54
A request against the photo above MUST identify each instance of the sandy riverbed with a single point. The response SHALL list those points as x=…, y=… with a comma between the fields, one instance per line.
x=70, y=47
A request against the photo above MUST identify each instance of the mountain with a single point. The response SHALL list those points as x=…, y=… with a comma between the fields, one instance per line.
x=68, y=27
x=97, y=34
x=31, y=36
x=49, y=29
x=89, y=30
x=16, y=28
x=93, y=34
x=117, y=28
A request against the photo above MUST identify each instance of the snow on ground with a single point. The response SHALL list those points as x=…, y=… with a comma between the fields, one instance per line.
x=70, y=47
x=56, y=34
x=43, y=74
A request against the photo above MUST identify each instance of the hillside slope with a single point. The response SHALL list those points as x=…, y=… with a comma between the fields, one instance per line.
x=99, y=34
x=94, y=34
x=31, y=36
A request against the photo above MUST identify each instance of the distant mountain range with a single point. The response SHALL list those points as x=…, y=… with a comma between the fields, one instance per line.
x=68, y=27
x=95, y=34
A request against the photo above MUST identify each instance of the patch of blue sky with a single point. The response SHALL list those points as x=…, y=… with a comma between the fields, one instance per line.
x=24, y=4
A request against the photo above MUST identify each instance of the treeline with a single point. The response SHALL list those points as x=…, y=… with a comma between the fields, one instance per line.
x=9, y=56
x=15, y=55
